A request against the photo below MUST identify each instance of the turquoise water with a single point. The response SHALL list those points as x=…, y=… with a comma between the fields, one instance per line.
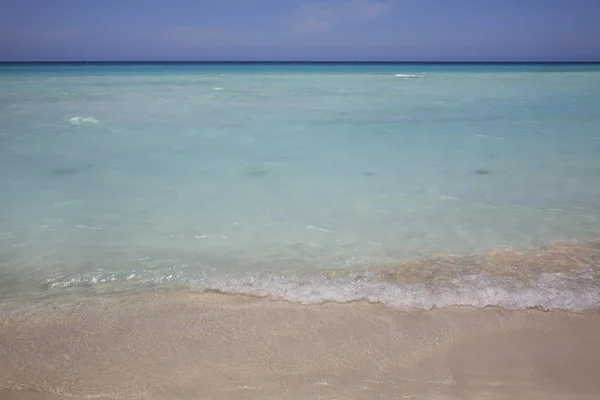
x=269, y=178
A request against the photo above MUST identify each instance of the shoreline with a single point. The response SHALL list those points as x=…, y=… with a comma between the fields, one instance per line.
x=183, y=345
x=560, y=275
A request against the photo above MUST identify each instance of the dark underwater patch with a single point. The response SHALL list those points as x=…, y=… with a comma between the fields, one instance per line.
x=70, y=170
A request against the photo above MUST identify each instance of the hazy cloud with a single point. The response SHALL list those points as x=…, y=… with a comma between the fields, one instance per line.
x=316, y=16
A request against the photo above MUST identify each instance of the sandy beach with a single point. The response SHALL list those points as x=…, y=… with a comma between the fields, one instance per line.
x=181, y=345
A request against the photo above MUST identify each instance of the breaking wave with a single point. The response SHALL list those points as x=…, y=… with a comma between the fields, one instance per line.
x=83, y=120
x=562, y=276
x=407, y=76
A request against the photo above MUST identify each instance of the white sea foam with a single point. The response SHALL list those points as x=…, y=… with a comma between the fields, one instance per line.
x=407, y=76
x=548, y=291
x=83, y=120
x=573, y=291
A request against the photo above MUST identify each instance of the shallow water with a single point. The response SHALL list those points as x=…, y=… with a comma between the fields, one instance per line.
x=305, y=182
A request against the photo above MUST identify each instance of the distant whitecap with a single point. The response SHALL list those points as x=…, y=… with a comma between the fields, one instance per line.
x=407, y=76
x=83, y=120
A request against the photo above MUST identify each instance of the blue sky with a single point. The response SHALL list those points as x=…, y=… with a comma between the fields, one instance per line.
x=357, y=30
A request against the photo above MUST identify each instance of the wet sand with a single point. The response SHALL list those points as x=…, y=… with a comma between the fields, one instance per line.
x=197, y=346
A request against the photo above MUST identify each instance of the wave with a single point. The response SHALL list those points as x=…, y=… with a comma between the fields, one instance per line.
x=83, y=120
x=407, y=76
x=562, y=276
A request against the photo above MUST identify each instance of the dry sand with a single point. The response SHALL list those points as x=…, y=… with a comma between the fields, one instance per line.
x=214, y=346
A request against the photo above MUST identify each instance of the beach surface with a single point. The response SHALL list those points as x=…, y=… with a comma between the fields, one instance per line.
x=181, y=345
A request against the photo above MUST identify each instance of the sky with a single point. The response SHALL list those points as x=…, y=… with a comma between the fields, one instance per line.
x=299, y=30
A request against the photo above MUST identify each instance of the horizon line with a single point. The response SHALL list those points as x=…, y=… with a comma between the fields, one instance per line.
x=290, y=62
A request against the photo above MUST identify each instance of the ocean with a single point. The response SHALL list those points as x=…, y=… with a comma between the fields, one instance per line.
x=306, y=182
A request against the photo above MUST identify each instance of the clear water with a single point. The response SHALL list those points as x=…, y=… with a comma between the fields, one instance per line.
x=267, y=178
